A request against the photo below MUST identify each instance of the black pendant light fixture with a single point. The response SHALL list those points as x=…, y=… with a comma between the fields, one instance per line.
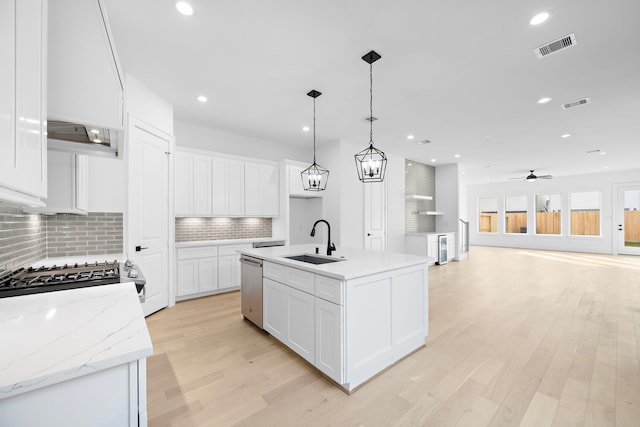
x=315, y=177
x=371, y=163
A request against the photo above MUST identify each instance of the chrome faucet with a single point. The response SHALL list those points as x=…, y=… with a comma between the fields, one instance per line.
x=330, y=246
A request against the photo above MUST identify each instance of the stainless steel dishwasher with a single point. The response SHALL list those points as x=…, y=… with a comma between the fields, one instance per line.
x=251, y=289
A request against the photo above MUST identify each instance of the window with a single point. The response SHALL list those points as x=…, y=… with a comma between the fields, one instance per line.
x=515, y=214
x=548, y=213
x=488, y=215
x=585, y=213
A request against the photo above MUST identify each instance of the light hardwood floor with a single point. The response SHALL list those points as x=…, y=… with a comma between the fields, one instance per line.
x=517, y=338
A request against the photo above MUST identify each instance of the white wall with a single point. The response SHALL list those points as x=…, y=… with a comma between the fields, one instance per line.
x=194, y=136
x=146, y=105
x=604, y=183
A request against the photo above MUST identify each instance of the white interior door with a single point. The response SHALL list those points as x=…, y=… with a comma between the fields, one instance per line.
x=628, y=222
x=375, y=216
x=149, y=212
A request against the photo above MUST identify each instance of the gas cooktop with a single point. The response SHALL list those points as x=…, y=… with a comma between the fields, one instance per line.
x=25, y=281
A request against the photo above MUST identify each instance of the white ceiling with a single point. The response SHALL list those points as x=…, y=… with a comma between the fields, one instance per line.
x=462, y=74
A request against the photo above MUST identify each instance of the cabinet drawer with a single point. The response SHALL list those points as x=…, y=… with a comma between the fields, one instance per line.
x=329, y=289
x=300, y=279
x=203, y=252
x=274, y=271
x=231, y=249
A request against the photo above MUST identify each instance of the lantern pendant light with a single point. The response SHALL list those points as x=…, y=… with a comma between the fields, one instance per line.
x=371, y=163
x=315, y=177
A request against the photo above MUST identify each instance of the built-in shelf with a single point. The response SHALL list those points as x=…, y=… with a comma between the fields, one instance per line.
x=418, y=197
x=428, y=212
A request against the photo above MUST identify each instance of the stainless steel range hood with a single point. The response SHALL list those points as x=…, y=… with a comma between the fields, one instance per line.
x=85, y=87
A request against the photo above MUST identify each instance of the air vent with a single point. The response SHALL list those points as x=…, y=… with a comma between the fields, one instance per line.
x=556, y=45
x=370, y=119
x=576, y=103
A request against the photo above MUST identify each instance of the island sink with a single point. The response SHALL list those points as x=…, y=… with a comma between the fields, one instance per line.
x=312, y=259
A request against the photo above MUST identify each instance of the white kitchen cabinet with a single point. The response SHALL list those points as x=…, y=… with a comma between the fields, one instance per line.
x=23, y=164
x=197, y=270
x=202, y=185
x=229, y=266
x=290, y=317
x=183, y=183
x=236, y=188
x=67, y=182
x=193, y=184
x=295, y=182
x=220, y=186
x=261, y=190
x=329, y=339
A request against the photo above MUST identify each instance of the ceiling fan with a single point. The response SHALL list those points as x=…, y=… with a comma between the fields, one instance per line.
x=533, y=177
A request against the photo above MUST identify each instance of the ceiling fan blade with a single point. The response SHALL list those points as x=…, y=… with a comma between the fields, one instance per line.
x=545, y=176
x=519, y=178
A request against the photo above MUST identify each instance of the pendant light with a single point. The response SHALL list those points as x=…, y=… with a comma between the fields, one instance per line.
x=315, y=177
x=371, y=163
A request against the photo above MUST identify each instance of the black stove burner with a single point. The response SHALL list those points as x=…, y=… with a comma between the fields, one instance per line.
x=57, y=278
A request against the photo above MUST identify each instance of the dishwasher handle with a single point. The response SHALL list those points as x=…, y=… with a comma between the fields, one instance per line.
x=255, y=262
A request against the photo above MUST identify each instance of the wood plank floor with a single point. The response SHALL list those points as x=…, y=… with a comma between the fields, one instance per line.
x=517, y=338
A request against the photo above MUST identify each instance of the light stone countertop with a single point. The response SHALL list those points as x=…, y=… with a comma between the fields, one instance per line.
x=198, y=243
x=52, y=337
x=356, y=262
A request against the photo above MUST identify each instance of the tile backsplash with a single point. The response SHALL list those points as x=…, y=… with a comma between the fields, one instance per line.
x=419, y=179
x=93, y=234
x=25, y=239
x=22, y=238
x=190, y=229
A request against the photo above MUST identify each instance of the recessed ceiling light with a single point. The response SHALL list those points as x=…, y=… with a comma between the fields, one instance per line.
x=409, y=164
x=94, y=131
x=463, y=173
x=305, y=129
x=603, y=152
x=605, y=167
x=566, y=135
x=409, y=137
x=97, y=140
x=539, y=18
x=433, y=160
x=543, y=100
x=184, y=8
x=202, y=99
x=457, y=156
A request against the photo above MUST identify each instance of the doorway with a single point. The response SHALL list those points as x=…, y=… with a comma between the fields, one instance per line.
x=628, y=220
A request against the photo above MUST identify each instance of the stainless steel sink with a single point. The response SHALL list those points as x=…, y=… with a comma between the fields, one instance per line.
x=313, y=259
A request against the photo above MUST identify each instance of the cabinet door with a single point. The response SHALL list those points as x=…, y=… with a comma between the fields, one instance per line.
x=7, y=93
x=269, y=192
x=82, y=183
x=187, y=277
x=295, y=182
x=183, y=183
x=202, y=185
x=31, y=91
x=300, y=323
x=236, y=188
x=207, y=274
x=329, y=339
x=252, y=196
x=274, y=300
x=220, y=186
x=228, y=276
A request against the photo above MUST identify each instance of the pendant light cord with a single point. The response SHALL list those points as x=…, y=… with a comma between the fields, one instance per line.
x=314, y=131
x=371, y=104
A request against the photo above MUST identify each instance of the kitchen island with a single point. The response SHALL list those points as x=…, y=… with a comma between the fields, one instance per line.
x=350, y=318
x=74, y=358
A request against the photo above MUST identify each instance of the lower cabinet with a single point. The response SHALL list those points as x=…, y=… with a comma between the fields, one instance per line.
x=329, y=318
x=197, y=270
x=205, y=270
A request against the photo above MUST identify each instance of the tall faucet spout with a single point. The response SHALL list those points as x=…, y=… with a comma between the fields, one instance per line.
x=330, y=246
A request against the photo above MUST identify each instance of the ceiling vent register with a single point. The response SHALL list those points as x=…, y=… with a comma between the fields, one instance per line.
x=576, y=103
x=556, y=46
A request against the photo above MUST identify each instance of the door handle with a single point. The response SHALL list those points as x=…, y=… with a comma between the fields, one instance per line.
x=139, y=248
x=619, y=227
x=368, y=234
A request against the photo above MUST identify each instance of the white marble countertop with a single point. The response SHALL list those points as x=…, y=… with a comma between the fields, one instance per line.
x=355, y=263
x=56, y=336
x=197, y=243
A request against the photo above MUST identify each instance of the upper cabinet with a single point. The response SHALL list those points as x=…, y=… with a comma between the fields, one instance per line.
x=86, y=85
x=23, y=45
x=210, y=185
